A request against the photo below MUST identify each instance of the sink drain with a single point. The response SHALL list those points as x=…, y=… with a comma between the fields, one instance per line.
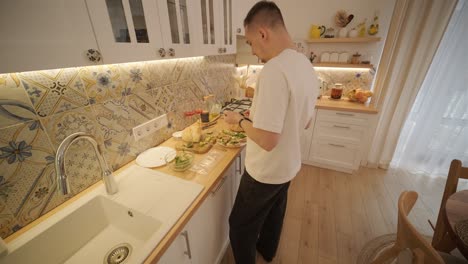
x=118, y=254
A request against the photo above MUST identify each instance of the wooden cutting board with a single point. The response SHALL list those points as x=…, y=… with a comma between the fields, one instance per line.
x=196, y=147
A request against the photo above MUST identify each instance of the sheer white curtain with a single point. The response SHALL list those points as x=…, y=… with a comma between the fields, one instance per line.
x=436, y=130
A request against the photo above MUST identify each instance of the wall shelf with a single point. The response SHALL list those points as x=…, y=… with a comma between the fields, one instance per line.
x=343, y=65
x=344, y=40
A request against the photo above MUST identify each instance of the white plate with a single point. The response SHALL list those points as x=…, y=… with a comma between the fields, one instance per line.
x=177, y=134
x=154, y=157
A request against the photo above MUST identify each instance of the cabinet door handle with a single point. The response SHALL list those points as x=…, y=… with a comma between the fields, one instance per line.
x=345, y=114
x=220, y=50
x=162, y=52
x=171, y=52
x=188, y=252
x=336, y=145
x=93, y=55
x=219, y=186
x=239, y=30
x=344, y=127
x=224, y=50
x=239, y=169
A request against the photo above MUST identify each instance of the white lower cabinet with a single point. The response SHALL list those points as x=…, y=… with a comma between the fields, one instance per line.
x=338, y=140
x=206, y=236
x=180, y=251
x=238, y=172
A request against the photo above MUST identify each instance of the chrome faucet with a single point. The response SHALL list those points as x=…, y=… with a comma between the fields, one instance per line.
x=62, y=180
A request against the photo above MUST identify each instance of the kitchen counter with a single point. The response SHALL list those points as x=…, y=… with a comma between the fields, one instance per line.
x=209, y=182
x=344, y=105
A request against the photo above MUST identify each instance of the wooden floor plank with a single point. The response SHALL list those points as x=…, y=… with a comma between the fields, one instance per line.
x=331, y=215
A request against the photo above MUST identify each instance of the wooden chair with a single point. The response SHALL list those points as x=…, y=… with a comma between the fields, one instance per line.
x=408, y=237
x=441, y=240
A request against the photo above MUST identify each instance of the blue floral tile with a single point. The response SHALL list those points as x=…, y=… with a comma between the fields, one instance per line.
x=161, y=72
x=135, y=77
x=106, y=101
x=81, y=164
x=15, y=106
x=61, y=125
x=145, y=104
x=26, y=165
x=189, y=68
x=54, y=91
x=116, y=119
x=8, y=222
x=103, y=83
x=165, y=98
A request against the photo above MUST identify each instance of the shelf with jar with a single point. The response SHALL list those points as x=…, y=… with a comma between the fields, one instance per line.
x=344, y=40
x=343, y=65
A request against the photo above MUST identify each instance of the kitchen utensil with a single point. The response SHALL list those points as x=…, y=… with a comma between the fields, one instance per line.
x=316, y=31
x=154, y=157
x=330, y=33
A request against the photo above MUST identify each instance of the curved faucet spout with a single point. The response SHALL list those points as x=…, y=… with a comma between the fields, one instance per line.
x=62, y=180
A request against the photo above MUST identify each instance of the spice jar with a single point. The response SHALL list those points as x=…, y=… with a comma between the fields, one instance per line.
x=336, y=91
x=356, y=59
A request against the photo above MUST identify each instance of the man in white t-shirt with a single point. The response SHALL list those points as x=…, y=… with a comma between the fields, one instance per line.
x=282, y=107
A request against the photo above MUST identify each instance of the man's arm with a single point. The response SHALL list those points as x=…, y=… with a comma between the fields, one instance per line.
x=265, y=139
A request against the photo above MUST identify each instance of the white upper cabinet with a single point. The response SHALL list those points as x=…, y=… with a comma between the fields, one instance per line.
x=47, y=34
x=127, y=30
x=206, y=27
x=213, y=27
x=178, y=25
x=242, y=7
x=228, y=41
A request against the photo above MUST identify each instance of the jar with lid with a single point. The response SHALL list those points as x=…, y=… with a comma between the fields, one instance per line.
x=356, y=58
x=336, y=91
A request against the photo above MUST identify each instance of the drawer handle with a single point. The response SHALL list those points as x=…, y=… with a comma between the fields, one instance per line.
x=219, y=186
x=188, y=252
x=336, y=145
x=345, y=114
x=344, y=127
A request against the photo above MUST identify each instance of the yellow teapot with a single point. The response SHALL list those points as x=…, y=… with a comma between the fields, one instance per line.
x=316, y=31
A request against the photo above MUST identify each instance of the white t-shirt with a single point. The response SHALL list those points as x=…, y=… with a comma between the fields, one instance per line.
x=283, y=103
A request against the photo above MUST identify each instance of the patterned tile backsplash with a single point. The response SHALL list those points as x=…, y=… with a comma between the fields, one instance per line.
x=39, y=109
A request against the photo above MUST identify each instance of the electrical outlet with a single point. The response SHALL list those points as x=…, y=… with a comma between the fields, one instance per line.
x=149, y=127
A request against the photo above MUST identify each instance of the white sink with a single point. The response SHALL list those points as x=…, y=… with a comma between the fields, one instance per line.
x=135, y=219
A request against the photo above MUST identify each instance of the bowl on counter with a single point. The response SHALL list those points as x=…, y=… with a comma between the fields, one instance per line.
x=180, y=160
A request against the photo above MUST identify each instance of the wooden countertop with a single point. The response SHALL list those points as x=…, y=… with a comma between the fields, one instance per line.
x=344, y=105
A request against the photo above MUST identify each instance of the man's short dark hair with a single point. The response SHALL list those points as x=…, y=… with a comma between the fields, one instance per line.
x=264, y=13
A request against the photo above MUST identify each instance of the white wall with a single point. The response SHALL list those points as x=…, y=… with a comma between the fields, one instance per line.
x=299, y=15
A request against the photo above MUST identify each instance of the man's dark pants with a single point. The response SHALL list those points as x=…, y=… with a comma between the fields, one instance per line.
x=256, y=219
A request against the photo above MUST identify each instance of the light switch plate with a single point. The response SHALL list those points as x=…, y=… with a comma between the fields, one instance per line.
x=149, y=127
